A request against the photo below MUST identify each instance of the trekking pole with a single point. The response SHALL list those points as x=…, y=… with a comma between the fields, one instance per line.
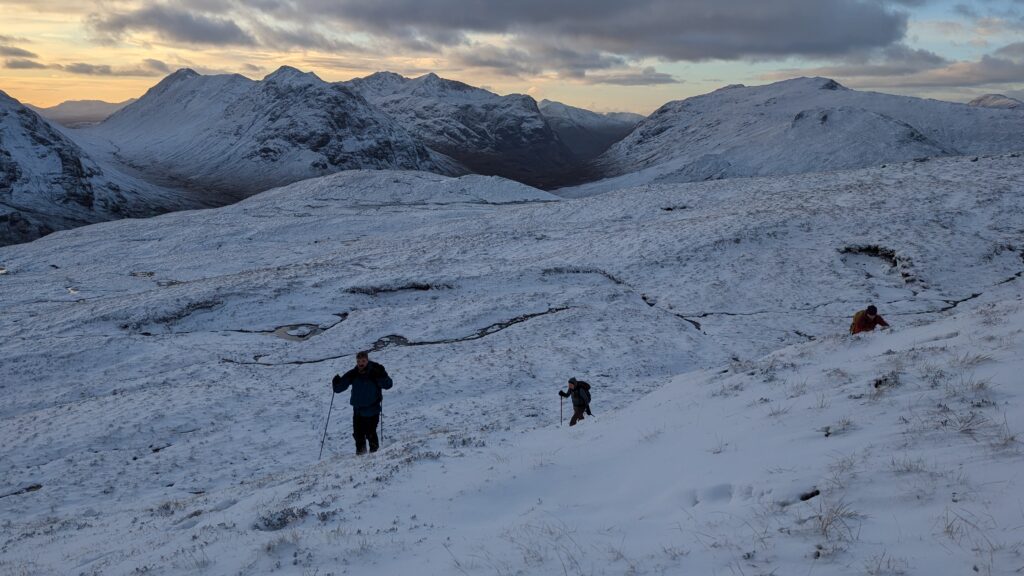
x=325, y=428
x=381, y=422
x=561, y=410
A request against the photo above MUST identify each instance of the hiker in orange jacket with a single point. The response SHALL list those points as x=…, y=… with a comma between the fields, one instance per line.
x=866, y=320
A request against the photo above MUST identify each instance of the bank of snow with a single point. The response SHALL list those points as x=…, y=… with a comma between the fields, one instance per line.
x=155, y=420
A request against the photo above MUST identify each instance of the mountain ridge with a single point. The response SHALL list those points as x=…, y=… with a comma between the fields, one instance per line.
x=49, y=183
x=235, y=137
x=487, y=133
x=795, y=126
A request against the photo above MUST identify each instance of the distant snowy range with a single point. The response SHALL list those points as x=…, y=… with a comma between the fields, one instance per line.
x=181, y=275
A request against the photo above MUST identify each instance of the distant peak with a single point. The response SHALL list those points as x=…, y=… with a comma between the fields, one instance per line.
x=290, y=74
x=996, y=101
x=436, y=83
x=384, y=78
x=431, y=79
x=810, y=83
x=182, y=73
x=6, y=99
x=545, y=103
x=387, y=74
x=830, y=84
x=172, y=79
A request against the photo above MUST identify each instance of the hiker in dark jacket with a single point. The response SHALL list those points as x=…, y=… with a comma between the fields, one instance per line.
x=579, y=391
x=367, y=380
x=866, y=320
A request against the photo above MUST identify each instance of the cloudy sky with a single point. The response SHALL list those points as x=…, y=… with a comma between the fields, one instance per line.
x=601, y=54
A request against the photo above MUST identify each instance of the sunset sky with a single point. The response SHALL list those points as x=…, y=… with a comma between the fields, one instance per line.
x=601, y=54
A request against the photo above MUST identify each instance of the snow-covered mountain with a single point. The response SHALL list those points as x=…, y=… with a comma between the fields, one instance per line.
x=586, y=133
x=231, y=135
x=48, y=183
x=796, y=126
x=165, y=382
x=996, y=101
x=80, y=113
x=487, y=133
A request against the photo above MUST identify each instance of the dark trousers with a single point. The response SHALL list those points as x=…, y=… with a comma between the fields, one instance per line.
x=365, y=428
x=577, y=414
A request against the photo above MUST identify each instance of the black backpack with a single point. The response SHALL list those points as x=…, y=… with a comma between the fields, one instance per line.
x=584, y=392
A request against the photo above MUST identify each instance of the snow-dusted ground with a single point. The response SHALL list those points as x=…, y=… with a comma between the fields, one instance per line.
x=170, y=429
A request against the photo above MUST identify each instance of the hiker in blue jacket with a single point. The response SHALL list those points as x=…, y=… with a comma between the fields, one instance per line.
x=367, y=380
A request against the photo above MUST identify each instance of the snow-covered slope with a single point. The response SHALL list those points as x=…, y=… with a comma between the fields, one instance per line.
x=48, y=183
x=586, y=133
x=996, y=101
x=80, y=113
x=164, y=386
x=235, y=136
x=796, y=126
x=380, y=188
x=489, y=134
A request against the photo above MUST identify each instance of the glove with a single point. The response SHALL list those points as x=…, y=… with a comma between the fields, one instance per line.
x=337, y=380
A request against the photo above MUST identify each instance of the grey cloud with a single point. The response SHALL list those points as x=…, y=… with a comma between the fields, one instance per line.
x=643, y=77
x=280, y=6
x=148, y=67
x=535, y=60
x=988, y=70
x=1012, y=51
x=573, y=63
x=16, y=52
x=365, y=64
x=507, y=61
x=408, y=39
x=88, y=69
x=993, y=15
x=573, y=38
x=171, y=23
x=22, y=64
x=284, y=38
x=215, y=6
x=895, y=60
x=672, y=30
x=966, y=10
x=156, y=65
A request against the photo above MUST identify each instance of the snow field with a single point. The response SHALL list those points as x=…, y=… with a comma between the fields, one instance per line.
x=170, y=431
